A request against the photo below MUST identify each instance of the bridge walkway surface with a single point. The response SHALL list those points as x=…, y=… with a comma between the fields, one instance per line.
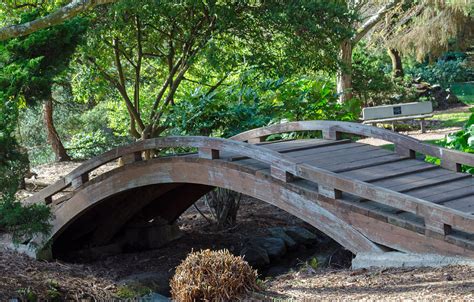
x=367, y=198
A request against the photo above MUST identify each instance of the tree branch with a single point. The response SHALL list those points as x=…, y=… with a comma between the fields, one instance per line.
x=372, y=21
x=64, y=13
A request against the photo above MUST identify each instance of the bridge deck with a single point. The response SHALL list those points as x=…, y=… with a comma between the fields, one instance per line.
x=384, y=168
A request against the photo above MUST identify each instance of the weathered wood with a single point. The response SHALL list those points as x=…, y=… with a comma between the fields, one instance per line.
x=208, y=153
x=79, y=180
x=407, y=142
x=303, y=171
x=131, y=158
x=196, y=170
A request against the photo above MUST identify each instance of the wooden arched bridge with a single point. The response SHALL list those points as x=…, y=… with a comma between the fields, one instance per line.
x=366, y=198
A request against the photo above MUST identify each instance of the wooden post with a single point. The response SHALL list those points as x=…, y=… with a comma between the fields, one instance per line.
x=404, y=151
x=281, y=174
x=329, y=192
x=436, y=227
x=331, y=134
x=451, y=165
x=132, y=157
x=80, y=180
x=208, y=153
x=256, y=140
x=422, y=125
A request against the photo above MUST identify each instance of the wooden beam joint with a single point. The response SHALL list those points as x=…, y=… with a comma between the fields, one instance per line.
x=132, y=157
x=331, y=134
x=208, y=153
x=281, y=174
x=80, y=180
x=256, y=140
x=329, y=192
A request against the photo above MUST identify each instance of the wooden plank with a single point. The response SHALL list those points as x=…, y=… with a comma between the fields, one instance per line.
x=410, y=143
x=420, y=180
x=334, y=153
x=429, y=211
x=402, y=118
x=323, y=150
x=347, y=158
x=371, y=162
x=446, y=191
x=317, y=143
x=464, y=204
x=392, y=235
x=390, y=170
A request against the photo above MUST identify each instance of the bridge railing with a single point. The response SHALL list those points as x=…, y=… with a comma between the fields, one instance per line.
x=404, y=145
x=438, y=219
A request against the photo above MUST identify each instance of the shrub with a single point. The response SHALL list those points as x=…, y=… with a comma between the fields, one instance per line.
x=462, y=140
x=21, y=220
x=251, y=102
x=223, y=204
x=446, y=71
x=212, y=276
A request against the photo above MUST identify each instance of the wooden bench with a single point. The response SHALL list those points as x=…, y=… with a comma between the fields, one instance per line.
x=398, y=112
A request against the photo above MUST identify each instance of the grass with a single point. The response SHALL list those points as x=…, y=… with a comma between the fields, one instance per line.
x=464, y=91
x=391, y=147
x=452, y=119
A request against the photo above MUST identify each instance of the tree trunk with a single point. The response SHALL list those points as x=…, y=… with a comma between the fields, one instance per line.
x=397, y=67
x=344, y=74
x=53, y=137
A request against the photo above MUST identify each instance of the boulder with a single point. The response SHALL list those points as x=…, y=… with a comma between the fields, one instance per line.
x=301, y=235
x=279, y=232
x=156, y=281
x=255, y=255
x=274, y=246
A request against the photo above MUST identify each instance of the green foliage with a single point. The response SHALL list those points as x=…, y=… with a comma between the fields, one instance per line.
x=446, y=71
x=372, y=81
x=250, y=103
x=462, y=140
x=132, y=291
x=32, y=63
x=20, y=220
x=84, y=145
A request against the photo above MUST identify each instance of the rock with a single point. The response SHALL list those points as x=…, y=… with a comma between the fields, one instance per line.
x=255, y=255
x=274, y=246
x=301, y=235
x=277, y=270
x=278, y=232
x=151, y=236
x=154, y=297
x=156, y=281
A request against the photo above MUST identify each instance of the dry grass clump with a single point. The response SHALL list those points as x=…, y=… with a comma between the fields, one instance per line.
x=212, y=276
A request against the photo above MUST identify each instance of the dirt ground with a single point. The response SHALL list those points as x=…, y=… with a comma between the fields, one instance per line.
x=430, y=284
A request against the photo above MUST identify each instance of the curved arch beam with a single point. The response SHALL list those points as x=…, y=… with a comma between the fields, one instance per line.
x=290, y=198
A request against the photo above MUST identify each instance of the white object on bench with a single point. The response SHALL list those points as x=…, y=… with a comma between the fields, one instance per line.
x=398, y=112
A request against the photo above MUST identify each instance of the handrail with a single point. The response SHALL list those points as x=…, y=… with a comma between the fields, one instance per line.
x=450, y=159
x=79, y=175
x=437, y=218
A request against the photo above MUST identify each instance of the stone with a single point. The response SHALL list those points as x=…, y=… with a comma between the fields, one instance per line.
x=279, y=232
x=255, y=255
x=274, y=246
x=151, y=236
x=301, y=235
x=156, y=281
x=154, y=297
x=399, y=259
